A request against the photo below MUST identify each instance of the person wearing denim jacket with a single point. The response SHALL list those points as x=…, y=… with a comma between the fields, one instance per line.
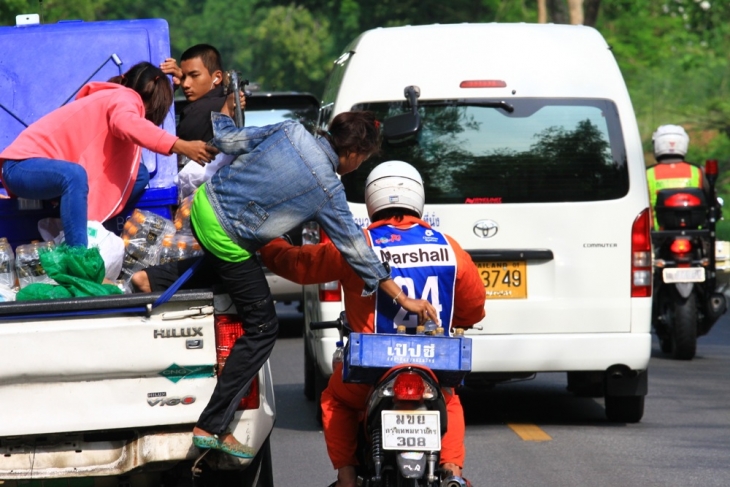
x=281, y=177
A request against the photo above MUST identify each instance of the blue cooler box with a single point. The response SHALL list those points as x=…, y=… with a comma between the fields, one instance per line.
x=43, y=66
x=368, y=356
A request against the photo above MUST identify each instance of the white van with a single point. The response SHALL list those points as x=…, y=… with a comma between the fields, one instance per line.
x=531, y=156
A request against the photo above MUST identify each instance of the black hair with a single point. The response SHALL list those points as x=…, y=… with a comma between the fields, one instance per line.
x=153, y=86
x=355, y=132
x=208, y=54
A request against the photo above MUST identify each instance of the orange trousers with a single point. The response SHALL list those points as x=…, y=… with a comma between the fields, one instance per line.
x=343, y=406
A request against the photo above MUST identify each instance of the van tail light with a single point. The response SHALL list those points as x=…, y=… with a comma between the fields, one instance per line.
x=227, y=330
x=680, y=246
x=681, y=200
x=641, y=256
x=483, y=83
x=408, y=386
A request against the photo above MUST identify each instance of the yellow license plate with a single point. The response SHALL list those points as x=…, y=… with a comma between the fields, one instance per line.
x=504, y=280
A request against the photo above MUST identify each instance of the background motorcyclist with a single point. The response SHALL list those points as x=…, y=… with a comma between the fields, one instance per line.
x=671, y=143
x=394, y=197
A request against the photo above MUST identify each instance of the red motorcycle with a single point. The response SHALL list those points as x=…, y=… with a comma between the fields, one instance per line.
x=405, y=418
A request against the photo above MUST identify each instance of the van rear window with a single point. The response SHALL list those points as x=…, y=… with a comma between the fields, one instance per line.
x=476, y=151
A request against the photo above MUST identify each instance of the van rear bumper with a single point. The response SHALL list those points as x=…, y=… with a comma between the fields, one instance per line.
x=559, y=352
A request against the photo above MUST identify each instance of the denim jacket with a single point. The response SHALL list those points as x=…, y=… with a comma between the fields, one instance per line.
x=283, y=176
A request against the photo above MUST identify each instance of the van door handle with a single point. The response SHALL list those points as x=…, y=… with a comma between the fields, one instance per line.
x=498, y=255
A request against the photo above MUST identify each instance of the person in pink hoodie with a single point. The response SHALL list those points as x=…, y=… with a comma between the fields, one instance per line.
x=87, y=153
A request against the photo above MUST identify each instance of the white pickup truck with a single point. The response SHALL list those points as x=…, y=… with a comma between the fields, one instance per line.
x=106, y=391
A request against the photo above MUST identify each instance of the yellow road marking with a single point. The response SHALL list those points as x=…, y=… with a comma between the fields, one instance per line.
x=529, y=432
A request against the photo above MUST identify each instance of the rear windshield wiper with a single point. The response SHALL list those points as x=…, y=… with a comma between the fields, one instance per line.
x=492, y=104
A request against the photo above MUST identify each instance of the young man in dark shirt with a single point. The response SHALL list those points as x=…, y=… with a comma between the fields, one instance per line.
x=200, y=75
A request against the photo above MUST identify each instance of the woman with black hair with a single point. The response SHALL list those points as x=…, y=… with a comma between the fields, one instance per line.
x=87, y=153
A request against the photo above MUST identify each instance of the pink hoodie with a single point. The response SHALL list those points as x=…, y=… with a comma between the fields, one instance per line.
x=102, y=130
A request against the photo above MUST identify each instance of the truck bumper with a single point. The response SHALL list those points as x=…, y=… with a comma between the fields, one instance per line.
x=68, y=456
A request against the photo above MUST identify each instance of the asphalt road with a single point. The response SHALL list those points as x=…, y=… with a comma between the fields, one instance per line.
x=683, y=440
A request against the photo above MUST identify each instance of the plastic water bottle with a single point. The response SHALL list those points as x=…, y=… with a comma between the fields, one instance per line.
x=339, y=354
x=167, y=253
x=430, y=327
x=182, y=250
x=7, y=264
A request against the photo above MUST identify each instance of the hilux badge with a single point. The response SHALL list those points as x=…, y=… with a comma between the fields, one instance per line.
x=485, y=228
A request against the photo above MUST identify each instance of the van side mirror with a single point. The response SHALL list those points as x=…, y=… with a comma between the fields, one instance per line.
x=401, y=128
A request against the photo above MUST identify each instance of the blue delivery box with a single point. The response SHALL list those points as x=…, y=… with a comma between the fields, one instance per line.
x=43, y=66
x=370, y=355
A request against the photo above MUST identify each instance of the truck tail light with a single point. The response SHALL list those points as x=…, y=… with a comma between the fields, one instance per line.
x=227, y=330
x=641, y=256
x=328, y=291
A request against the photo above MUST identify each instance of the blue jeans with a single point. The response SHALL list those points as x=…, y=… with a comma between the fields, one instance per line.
x=39, y=178
x=43, y=179
x=143, y=179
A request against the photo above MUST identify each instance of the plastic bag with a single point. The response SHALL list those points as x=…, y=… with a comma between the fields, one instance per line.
x=193, y=174
x=111, y=246
x=7, y=293
x=78, y=271
x=41, y=290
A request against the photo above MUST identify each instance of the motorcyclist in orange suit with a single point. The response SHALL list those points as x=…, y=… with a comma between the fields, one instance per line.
x=394, y=198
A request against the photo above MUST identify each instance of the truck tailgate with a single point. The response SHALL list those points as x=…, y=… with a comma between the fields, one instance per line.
x=112, y=367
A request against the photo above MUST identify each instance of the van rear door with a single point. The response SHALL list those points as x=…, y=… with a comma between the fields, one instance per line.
x=537, y=190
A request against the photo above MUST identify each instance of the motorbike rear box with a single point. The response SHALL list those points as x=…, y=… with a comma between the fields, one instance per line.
x=368, y=356
x=686, y=213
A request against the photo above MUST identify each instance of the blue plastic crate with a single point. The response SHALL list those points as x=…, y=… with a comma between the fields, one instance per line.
x=368, y=356
x=157, y=200
x=19, y=219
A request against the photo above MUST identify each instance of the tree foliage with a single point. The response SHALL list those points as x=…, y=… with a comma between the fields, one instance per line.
x=673, y=53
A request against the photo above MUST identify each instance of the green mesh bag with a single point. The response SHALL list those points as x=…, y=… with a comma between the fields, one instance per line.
x=79, y=272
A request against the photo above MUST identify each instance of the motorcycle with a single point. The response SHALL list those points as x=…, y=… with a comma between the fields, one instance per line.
x=686, y=302
x=405, y=416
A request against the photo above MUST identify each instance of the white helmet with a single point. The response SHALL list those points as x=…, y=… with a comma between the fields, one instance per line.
x=394, y=184
x=670, y=140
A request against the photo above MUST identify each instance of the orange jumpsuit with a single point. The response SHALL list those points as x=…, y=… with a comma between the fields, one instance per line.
x=343, y=404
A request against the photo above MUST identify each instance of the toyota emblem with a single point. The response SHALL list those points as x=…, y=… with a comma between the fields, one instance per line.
x=485, y=228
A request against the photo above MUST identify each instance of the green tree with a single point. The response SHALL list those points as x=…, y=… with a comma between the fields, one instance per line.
x=290, y=49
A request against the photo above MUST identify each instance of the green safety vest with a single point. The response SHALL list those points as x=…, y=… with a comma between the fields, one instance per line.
x=672, y=175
